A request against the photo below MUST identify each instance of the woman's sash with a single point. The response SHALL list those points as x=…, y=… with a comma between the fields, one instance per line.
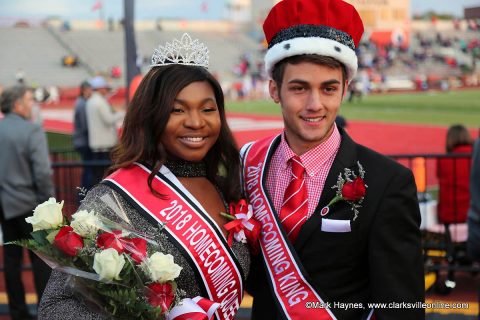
x=287, y=278
x=190, y=228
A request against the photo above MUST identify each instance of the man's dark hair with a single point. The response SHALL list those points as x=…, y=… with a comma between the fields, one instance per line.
x=279, y=68
x=83, y=86
x=10, y=96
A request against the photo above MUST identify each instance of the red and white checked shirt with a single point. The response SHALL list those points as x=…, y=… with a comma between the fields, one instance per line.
x=317, y=162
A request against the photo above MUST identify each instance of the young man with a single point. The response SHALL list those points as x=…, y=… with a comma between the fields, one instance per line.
x=25, y=182
x=340, y=222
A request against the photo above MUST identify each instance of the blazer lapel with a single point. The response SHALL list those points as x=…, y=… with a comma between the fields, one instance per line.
x=345, y=158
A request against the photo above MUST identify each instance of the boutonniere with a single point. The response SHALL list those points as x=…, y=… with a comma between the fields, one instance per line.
x=242, y=226
x=350, y=188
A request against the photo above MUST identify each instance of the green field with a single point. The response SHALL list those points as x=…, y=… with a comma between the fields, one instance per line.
x=58, y=141
x=436, y=108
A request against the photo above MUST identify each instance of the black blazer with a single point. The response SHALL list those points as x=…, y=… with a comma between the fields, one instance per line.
x=380, y=260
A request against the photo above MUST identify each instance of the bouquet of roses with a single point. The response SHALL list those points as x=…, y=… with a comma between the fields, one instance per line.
x=120, y=271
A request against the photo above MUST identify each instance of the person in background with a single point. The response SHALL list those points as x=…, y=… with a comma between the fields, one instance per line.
x=340, y=222
x=473, y=241
x=25, y=182
x=80, y=133
x=453, y=177
x=102, y=122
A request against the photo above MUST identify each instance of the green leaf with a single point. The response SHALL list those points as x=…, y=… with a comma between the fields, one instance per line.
x=26, y=243
x=51, y=236
x=227, y=216
x=40, y=236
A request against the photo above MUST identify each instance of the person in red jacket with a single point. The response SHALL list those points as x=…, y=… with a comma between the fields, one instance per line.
x=453, y=177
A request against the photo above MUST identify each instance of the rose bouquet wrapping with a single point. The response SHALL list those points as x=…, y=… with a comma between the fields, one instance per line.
x=119, y=271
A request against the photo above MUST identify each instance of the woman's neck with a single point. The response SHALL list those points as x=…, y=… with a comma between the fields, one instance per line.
x=186, y=169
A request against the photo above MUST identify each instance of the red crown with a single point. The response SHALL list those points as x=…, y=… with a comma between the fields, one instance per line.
x=335, y=14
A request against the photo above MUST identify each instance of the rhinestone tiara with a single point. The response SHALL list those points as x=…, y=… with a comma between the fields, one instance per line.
x=186, y=51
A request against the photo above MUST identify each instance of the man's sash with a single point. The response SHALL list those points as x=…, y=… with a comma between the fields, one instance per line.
x=190, y=228
x=287, y=278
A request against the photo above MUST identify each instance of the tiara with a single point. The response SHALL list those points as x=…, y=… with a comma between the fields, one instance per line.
x=186, y=51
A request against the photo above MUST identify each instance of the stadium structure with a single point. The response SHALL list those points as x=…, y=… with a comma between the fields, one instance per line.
x=63, y=53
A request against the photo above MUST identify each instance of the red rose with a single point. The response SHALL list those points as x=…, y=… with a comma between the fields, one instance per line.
x=136, y=247
x=111, y=240
x=354, y=190
x=68, y=241
x=160, y=295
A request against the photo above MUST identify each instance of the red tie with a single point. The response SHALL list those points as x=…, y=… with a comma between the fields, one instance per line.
x=295, y=201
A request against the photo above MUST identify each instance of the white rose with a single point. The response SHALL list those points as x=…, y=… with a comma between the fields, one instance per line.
x=85, y=223
x=161, y=268
x=47, y=215
x=108, y=264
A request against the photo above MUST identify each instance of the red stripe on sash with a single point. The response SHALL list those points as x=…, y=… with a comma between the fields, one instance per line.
x=292, y=291
x=186, y=225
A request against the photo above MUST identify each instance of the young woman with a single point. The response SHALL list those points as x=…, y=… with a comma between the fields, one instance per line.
x=176, y=154
x=453, y=177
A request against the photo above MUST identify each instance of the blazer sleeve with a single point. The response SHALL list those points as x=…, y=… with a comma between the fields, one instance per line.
x=475, y=178
x=40, y=161
x=395, y=251
x=473, y=241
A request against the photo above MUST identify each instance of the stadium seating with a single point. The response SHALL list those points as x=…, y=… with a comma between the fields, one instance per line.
x=102, y=49
x=39, y=55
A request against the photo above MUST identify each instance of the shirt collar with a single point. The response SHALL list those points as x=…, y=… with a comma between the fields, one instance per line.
x=12, y=114
x=313, y=159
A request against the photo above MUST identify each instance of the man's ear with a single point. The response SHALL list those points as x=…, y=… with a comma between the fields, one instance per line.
x=345, y=88
x=273, y=89
x=18, y=106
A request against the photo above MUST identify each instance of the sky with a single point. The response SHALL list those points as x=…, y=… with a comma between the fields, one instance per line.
x=185, y=9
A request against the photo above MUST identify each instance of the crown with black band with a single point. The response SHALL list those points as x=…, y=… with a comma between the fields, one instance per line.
x=331, y=28
x=310, y=30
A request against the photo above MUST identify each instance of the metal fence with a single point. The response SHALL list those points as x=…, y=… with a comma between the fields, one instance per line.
x=67, y=171
x=67, y=168
x=444, y=244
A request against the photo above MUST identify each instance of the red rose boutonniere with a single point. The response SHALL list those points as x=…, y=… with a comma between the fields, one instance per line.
x=351, y=188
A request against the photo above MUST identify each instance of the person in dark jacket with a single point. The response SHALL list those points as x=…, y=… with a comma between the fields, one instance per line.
x=80, y=133
x=25, y=182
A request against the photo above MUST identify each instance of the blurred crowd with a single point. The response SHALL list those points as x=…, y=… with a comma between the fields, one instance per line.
x=430, y=61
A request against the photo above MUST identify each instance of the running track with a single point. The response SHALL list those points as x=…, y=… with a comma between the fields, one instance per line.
x=386, y=138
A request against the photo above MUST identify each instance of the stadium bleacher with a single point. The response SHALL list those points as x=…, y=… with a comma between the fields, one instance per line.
x=39, y=52
x=39, y=55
